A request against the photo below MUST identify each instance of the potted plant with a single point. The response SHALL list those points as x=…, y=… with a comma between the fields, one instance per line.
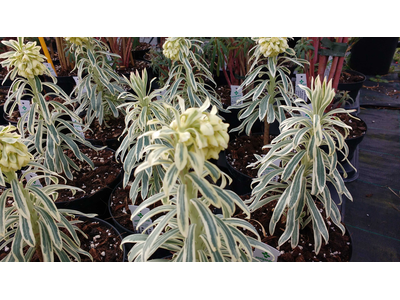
x=307, y=148
x=32, y=224
x=97, y=90
x=189, y=229
x=188, y=73
x=264, y=101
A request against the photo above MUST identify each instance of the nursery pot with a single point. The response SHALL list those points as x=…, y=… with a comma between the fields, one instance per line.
x=352, y=87
x=373, y=55
x=159, y=253
x=3, y=91
x=94, y=203
x=241, y=182
x=107, y=226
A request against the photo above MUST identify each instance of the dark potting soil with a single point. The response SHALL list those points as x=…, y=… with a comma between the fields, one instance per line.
x=142, y=46
x=224, y=92
x=110, y=129
x=103, y=243
x=346, y=77
x=241, y=150
x=120, y=202
x=138, y=65
x=105, y=172
x=358, y=126
x=338, y=248
x=3, y=96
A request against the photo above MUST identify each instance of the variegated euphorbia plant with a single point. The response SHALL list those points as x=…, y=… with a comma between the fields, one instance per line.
x=141, y=108
x=188, y=227
x=99, y=85
x=188, y=73
x=264, y=101
x=29, y=220
x=50, y=127
x=306, y=167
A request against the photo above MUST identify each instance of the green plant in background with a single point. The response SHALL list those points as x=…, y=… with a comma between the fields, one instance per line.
x=99, y=85
x=188, y=73
x=160, y=65
x=188, y=228
x=306, y=168
x=302, y=47
x=141, y=109
x=49, y=126
x=341, y=99
x=32, y=224
x=264, y=101
x=378, y=78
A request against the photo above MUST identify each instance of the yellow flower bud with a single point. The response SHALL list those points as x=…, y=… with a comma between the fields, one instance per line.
x=272, y=46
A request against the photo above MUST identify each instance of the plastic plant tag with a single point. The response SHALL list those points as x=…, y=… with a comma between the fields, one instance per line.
x=24, y=106
x=236, y=94
x=30, y=176
x=270, y=169
x=49, y=66
x=301, y=79
x=303, y=114
x=138, y=216
x=78, y=127
x=265, y=256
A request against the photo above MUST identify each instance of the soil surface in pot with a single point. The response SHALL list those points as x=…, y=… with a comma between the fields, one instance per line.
x=224, y=92
x=110, y=130
x=241, y=150
x=102, y=242
x=138, y=65
x=105, y=172
x=346, y=77
x=120, y=202
x=142, y=46
x=338, y=248
x=358, y=126
x=3, y=96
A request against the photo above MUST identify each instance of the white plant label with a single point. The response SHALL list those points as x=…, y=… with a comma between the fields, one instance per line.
x=301, y=79
x=24, y=106
x=270, y=169
x=138, y=216
x=50, y=67
x=236, y=94
x=328, y=67
x=29, y=176
x=162, y=95
x=78, y=127
x=264, y=256
x=76, y=78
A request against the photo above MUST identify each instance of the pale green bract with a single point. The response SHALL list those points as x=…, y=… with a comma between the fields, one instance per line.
x=187, y=75
x=188, y=228
x=29, y=219
x=264, y=100
x=307, y=147
x=50, y=127
x=97, y=91
x=141, y=108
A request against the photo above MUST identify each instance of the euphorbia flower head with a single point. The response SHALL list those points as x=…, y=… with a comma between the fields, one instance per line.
x=13, y=153
x=271, y=46
x=79, y=41
x=202, y=130
x=26, y=58
x=172, y=47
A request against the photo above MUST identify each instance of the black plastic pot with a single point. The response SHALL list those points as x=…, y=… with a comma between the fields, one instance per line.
x=2, y=120
x=354, y=87
x=66, y=83
x=159, y=253
x=96, y=203
x=373, y=55
x=352, y=143
x=240, y=181
x=106, y=224
x=139, y=54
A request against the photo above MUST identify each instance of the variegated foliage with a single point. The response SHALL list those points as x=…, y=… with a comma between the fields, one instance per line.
x=188, y=227
x=99, y=85
x=32, y=223
x=269, y=92
x=188, y=74
x=141, y=108
x=305, y=167
x=50, y=127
